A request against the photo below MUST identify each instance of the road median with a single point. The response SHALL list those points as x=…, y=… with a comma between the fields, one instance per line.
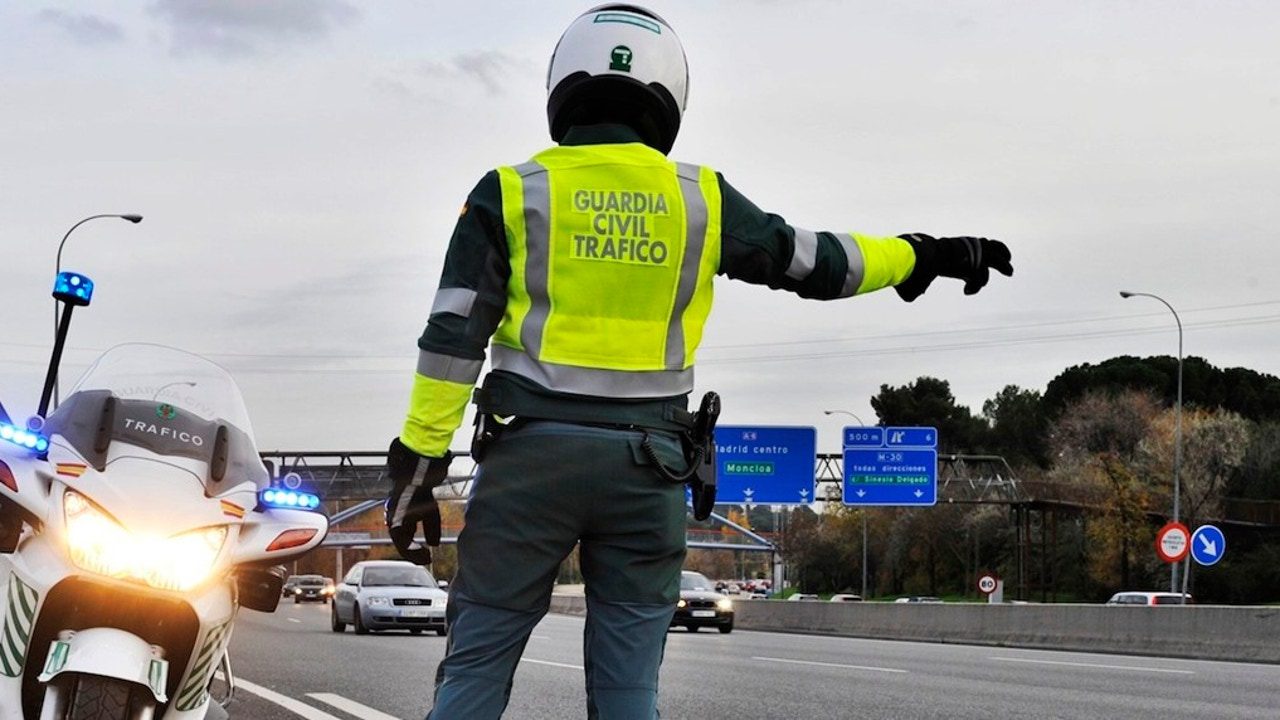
x=1202, y=632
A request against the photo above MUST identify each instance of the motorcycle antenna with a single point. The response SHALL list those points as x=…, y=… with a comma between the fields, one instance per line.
x=73, y=290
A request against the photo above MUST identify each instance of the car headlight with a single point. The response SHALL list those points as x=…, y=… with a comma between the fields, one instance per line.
x=724, y=604
x=375, y=600
x=681, y=603
x=98, y=544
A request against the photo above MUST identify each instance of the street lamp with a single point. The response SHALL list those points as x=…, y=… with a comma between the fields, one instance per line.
x=131, y=217
x=1177, y=443
x=864, y=510
x=844, y=412
x=156, y=394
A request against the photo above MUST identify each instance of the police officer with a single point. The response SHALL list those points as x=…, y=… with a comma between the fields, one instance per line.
x=587, y=274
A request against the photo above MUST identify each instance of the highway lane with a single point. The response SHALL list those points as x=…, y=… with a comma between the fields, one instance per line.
x=293, y=657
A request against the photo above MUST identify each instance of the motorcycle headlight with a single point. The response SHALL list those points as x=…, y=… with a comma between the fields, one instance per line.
x=724, y=604
x=98, y=544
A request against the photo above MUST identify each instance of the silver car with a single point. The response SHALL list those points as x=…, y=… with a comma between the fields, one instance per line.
x=389, y=595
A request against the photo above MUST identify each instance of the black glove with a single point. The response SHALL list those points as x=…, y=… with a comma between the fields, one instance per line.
x=411, y=501
x=967, y=258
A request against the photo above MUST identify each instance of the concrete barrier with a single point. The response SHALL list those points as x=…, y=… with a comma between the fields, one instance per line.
x=1205, y=632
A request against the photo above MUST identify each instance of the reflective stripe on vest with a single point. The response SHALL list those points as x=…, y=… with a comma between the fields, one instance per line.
x=613, y=249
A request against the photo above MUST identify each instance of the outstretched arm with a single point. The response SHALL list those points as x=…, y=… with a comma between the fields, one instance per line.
x=762, y=248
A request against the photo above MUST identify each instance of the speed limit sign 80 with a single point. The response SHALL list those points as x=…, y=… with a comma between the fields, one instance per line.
x=987, y=583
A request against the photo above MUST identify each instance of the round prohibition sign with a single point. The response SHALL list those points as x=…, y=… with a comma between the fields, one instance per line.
x=1173, y=542
x=987, y=583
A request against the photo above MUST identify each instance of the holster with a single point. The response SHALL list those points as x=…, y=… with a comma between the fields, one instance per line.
x=487, y=431
x=703, y=485
x=699, y=446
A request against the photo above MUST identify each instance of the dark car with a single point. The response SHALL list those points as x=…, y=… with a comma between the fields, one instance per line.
x=701, y=606
x=312, y=588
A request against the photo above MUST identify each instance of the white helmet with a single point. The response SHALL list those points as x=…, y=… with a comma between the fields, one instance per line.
x=619, y=63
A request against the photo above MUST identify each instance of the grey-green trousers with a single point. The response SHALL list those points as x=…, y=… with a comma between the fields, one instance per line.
x=541, y=488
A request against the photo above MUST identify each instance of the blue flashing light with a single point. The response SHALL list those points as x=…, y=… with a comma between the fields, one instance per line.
x=24, y=438
x=74, y=288
x=289, y=499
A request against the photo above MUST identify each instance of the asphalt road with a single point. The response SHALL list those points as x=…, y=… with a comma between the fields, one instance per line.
x=290, y=665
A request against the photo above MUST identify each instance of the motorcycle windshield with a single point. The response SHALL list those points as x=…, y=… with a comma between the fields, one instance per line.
x=165, y=400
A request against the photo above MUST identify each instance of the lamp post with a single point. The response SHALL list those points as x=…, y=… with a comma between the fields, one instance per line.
x=1177, y=442
x=864, y=510
x=844, y=412
x=131, y=217
x=156, y=394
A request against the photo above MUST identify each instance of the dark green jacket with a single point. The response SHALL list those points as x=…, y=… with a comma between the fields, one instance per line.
x=756, y=247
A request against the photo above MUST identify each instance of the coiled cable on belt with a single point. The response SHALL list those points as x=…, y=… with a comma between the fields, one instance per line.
x=667, y=473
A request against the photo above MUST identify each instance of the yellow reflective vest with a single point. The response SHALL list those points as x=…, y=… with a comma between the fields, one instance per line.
x=613, y=249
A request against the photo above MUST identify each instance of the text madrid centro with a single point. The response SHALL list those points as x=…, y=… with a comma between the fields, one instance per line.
x=752, y=449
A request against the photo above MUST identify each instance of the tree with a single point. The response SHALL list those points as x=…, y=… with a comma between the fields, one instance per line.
x=1099, y=423
x=928, y=401
x=1254, y=395
x=1258, y=476
x=1019, y=426
x=1096, y=443
x=825, y=553
x=1214, y=445
x=715, y=564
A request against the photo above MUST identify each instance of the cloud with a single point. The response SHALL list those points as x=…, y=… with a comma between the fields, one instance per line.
x=239, y=28
x=488, y=70
x=84, y=29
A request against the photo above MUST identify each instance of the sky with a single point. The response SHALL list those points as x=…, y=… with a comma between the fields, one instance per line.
x=300, y=165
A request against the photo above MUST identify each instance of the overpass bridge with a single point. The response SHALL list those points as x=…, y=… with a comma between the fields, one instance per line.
x=352, y=483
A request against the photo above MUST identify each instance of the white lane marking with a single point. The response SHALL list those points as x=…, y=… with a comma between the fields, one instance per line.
x=552, y=664
x=834, y=665
x=284, y=701
x=1096, y=665
x=540, y=637
x=364, y=712
x=293, y=620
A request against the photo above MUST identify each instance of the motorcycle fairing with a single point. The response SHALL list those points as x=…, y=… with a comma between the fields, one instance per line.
x=90, y=421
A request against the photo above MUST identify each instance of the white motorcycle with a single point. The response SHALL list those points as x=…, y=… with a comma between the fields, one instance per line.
x=134, y=522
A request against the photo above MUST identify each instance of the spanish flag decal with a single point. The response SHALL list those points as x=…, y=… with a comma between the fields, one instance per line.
x=232, y=509
x=71, y=469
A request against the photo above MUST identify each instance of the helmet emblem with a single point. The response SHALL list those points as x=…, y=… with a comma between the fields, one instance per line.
x=165, y=411
x=620, y=59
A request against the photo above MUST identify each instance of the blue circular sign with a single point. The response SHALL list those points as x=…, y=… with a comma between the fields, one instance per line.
x=1208, y=545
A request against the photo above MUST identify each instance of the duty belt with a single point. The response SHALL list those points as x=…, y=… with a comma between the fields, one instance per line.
x=663, y=414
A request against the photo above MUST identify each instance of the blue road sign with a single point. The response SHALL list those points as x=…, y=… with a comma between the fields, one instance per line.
x=919, y=437
x=901, y=470
x=1208, y=545
x=864, y=437
x=765, y=465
